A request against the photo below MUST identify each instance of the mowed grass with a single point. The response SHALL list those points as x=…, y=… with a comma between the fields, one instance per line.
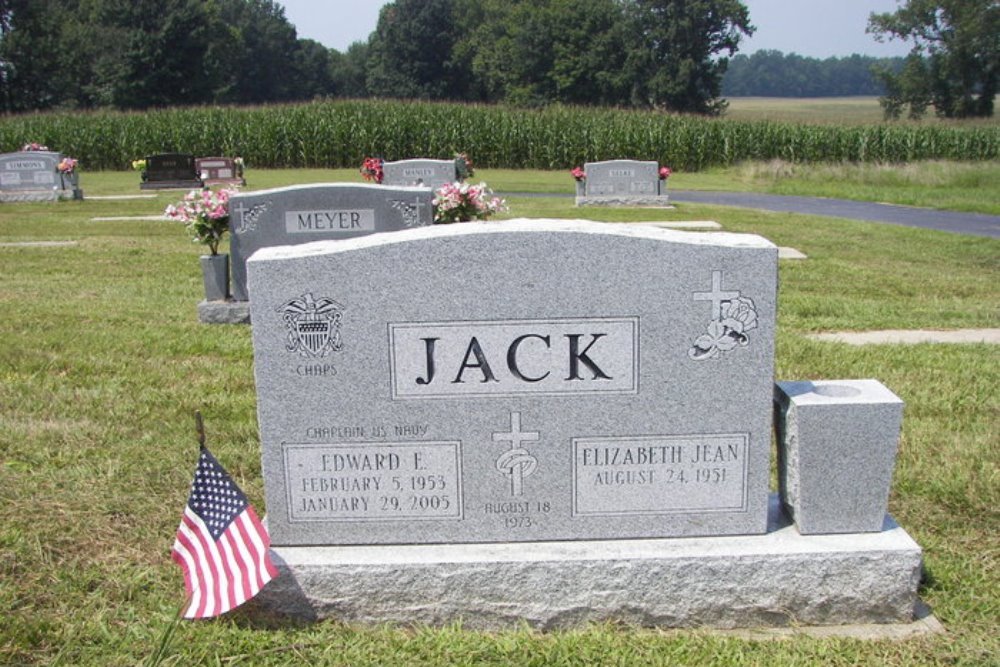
x=103, y=363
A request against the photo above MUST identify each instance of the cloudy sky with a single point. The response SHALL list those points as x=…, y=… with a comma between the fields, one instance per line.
x=815, y=28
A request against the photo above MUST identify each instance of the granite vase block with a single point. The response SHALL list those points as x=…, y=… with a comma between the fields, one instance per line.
x=215, y=275
x=837, y=443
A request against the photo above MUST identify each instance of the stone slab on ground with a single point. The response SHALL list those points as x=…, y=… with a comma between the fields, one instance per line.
x=784, y=252
x=682, y=224
x=720, y=582
x=910, y=337
x=39, y=244
x=224, y=312
x=121, y=197
x=131, y=218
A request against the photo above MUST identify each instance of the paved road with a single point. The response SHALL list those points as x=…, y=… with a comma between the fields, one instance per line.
x=976, y=224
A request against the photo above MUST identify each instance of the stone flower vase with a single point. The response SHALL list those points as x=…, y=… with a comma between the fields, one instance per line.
x=215, y=274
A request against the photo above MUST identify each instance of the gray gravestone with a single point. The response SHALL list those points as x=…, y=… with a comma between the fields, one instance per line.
x=624, y=183
x=454, y=384
x=170, y=171
x=304, y=213
x=34, y=176
x=219, y=171
x=430, y=173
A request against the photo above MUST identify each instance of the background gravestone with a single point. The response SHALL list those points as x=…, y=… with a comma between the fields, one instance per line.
x=34, y=176
x=170, y=171
x=429, y=173
x=453, y=384
x=305, y=213
x=219, y=171
x=622, y=183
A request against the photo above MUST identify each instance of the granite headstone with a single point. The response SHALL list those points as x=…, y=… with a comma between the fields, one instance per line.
x=454, y=384
x=220, y=171
x=426, y=172
x=34, y=176
x=622, y=182
x=170, y=171
x=304, y=213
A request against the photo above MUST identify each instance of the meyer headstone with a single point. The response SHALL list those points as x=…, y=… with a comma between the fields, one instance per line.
x=170, y=171
x=622, y=183
x=219, y=171
x=426, y=172
x=35, y=176
x=304, y=213
x=454, y=384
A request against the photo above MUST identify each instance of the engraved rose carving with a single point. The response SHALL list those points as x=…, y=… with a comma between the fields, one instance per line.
x=736, y=317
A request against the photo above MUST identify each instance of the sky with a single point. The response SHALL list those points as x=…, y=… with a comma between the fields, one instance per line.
x=814, y=28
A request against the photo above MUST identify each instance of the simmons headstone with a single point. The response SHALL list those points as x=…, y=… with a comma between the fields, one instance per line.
x=170, y=171
x=34, y=176
x=447, y=404
x=430, y=173
x=303, y=213
x=220, y=171
x=622, y=183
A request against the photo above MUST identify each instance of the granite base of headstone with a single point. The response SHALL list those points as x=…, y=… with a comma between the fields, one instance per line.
x=622, y=183
x=224, y=312
x=778, y=579
x=837, y=443
x=170, y=171
x=34, y=176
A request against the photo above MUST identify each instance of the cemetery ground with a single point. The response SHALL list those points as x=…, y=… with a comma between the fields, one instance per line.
x=103, y=363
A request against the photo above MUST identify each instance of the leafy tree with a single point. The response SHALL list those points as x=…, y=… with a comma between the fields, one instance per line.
x=410, y=51
x=348, y=70
x=776, y=74
x=675, y=61
x=954, y=62
x=262, y=54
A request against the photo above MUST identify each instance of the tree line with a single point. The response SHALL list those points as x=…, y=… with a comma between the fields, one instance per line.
x=675, y=55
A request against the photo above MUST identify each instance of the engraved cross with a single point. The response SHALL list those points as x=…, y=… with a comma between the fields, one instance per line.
x=518, y=463
x=241, y=209
x=716, y=296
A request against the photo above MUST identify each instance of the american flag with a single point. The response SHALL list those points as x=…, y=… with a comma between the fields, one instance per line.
x=221, y=544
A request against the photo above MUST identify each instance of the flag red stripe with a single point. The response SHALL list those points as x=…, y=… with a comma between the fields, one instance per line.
x=238, y=564
x=208, y=559
x=200, y=575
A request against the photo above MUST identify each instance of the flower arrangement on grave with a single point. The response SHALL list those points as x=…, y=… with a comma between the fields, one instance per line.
x=665, y=173
x=139, y=165
x=371, y=169
x=463, y=166
x=205, y=213
x=34, y=146
x=578, y=173
x=67, y=166
x=461, y=202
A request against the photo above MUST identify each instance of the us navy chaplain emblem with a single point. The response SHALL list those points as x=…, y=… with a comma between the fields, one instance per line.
x=313, y=325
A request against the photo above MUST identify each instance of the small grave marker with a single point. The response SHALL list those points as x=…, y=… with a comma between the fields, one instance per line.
x=220, y=171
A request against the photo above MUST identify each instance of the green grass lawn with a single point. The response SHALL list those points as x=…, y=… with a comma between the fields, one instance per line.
x=103, y=363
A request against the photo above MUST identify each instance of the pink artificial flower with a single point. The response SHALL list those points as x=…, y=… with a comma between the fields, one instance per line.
x=664, y=173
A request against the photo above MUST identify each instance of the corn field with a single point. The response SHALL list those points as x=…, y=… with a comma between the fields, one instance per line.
x=342, y=133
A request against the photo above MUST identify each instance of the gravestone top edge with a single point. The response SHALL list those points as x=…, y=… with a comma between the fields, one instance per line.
x=303, y=187
x=519, y=225
x=620, y=160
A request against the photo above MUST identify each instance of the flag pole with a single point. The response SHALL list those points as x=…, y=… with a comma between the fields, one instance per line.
x=199, y=425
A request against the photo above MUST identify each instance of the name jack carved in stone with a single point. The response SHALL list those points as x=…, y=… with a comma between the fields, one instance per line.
x=476, y=358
